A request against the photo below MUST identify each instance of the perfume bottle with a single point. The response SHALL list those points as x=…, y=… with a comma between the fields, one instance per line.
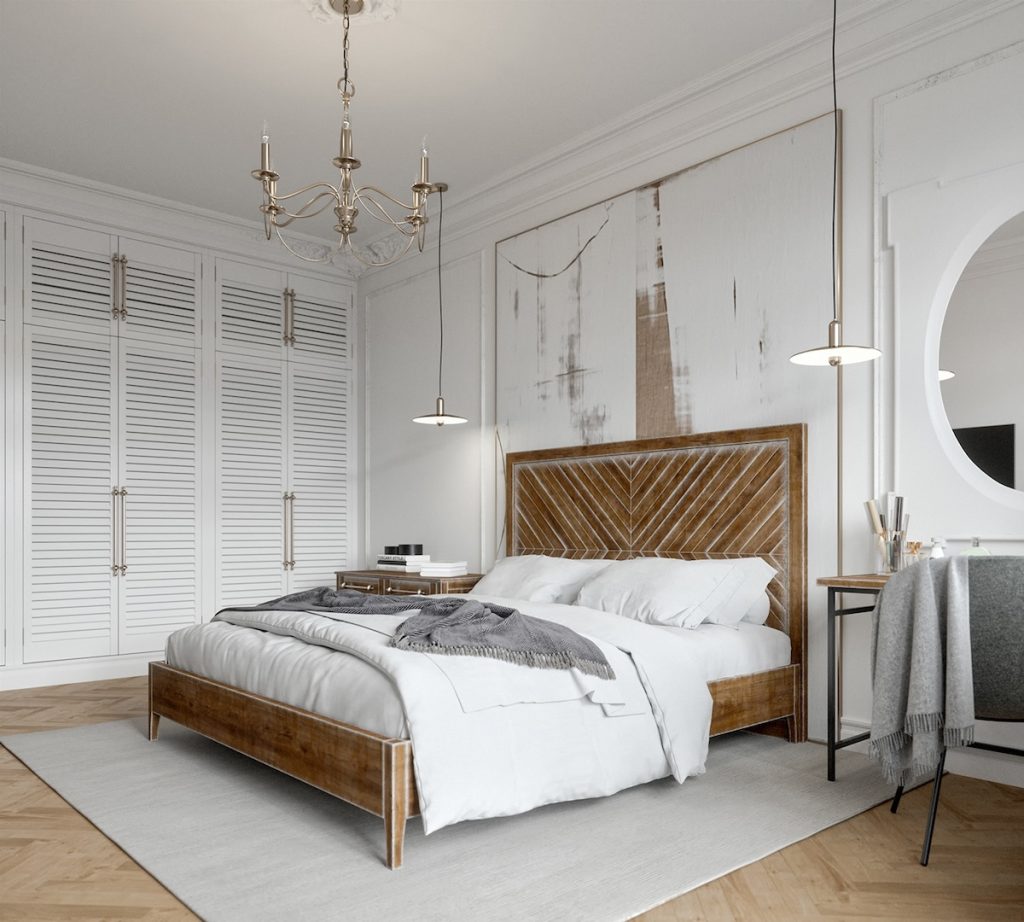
x=976, y=550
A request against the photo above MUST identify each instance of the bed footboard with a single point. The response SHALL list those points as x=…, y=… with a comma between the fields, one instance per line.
x=370, y=771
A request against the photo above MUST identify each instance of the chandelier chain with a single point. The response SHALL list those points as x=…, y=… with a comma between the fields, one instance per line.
x=344, y=47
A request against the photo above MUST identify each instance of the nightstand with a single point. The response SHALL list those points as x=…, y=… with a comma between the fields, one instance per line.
x=392, y=582
x=864, y=584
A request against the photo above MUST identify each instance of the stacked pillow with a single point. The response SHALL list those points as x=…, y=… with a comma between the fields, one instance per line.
x=677, y=593
x=682, y=593
x=538, y=578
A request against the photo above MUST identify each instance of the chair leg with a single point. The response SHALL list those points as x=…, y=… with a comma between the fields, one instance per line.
x=934, y=809
x=896, y=798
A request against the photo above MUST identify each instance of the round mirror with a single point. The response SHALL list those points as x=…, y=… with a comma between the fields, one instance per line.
x=981, y=357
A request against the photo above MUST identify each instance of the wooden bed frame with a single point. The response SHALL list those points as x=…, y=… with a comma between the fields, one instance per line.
x=719, y=495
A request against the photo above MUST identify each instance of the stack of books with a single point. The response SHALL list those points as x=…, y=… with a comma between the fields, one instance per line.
x=402, y=563
x=445, y=568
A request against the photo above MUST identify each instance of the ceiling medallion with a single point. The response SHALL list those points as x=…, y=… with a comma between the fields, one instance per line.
x=372, y=10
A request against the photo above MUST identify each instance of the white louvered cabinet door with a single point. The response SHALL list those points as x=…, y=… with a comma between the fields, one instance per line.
x=320, y=327
x=68, y=277
x=70, y=429
x=250, y=480
x=161, y=293
x=250, y=309
x=318, y=414
x=159, y=461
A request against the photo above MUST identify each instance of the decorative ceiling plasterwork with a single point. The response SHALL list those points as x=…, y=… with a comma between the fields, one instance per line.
x=373, y=10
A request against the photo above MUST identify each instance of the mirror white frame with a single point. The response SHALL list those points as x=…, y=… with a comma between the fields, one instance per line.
x=933, y=229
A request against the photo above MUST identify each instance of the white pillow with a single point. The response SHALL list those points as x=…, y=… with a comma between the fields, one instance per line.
x=537, y=578
x=679, y=593
x=757, y=574
x=759, y=611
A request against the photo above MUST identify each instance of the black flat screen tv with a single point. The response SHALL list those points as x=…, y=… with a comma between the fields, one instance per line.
x=991, y=449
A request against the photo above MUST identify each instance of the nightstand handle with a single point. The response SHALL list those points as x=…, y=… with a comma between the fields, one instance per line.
x=365, y=588
x=391, y=591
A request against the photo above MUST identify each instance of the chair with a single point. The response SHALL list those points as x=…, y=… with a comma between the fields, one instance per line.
x=996, y=587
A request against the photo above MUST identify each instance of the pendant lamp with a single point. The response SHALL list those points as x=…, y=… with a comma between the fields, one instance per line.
x=835, y=353
x=439, y=417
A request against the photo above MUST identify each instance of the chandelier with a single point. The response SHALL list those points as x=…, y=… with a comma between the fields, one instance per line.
x=346, y=199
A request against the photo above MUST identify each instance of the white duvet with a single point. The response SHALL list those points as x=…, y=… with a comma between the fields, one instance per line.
x=492, y=738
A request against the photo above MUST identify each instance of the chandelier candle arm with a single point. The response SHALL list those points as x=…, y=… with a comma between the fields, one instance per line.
x=346, y=196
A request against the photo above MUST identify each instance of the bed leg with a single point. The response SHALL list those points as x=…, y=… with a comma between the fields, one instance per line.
x=154, y=726
x=397, y=778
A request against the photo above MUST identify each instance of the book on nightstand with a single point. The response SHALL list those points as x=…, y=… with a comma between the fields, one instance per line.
x=445, y=568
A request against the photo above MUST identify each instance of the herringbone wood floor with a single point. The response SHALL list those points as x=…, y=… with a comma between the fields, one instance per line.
x=54, y=865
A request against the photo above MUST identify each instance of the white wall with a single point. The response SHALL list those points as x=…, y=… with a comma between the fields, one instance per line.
x=881, y=50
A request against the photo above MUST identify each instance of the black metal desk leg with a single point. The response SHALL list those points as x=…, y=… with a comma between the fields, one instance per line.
x=831, y=683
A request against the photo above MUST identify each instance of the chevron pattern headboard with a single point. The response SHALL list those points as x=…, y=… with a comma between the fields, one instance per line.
x=724, y=494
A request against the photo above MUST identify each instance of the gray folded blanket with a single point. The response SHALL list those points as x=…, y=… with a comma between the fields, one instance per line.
x=923, y=691
x=459, y=626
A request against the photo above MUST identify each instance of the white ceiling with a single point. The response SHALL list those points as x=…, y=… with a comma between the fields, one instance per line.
x=167, y=97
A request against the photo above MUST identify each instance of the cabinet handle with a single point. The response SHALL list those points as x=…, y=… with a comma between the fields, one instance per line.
x=124, y=287
x=289, y=316
x=115, y=280
x=390, y=591
x=114, y=494
x=124, y=542
x=291, y=531
x=365, y=588
x=284, y=526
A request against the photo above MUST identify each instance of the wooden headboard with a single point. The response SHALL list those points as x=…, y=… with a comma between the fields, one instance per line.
x=739, y=493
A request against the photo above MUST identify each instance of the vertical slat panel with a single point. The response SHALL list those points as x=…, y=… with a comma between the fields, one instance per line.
x=162, y=293
x=250, y=309
x=68, y=282
x=160, y=470
x=322, y=317
x=69, y=462
x=250, y=479
x=318, y=414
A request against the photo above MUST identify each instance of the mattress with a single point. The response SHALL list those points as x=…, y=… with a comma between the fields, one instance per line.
x=345, y=688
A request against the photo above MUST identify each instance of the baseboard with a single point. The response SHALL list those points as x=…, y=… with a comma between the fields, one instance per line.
x=67, y=672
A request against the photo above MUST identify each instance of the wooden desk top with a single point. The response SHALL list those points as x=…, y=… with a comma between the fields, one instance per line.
x=856, y=581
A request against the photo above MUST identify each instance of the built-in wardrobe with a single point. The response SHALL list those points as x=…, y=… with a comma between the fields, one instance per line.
x=180, y=438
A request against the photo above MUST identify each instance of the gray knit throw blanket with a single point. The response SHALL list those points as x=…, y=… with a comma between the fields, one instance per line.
x=921, y=668
x=461, y=627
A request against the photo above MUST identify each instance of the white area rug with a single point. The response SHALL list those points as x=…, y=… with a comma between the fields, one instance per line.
x=235, y=840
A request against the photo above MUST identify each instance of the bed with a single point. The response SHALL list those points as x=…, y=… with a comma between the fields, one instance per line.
x=720, y=495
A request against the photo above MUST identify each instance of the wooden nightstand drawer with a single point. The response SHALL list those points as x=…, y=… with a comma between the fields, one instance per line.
x=409, y=585
x=385, y=582
x=364, y=582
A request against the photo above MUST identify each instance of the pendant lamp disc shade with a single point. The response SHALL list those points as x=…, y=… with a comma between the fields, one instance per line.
x=835, y=353
x=439, y=417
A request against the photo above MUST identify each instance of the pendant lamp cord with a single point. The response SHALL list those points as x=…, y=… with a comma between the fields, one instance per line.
x=835, y=157
x=440, y=309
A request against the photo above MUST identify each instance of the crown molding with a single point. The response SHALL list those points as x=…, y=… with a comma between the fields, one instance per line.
x=34, y=188
x=772, y=77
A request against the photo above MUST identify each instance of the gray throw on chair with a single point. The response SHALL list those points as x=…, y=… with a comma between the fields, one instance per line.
x=921, y=668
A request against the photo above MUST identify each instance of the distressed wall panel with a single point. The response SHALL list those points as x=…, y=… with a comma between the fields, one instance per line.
x=565, y=356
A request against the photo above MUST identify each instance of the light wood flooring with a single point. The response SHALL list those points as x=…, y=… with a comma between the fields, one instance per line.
x=54, y=865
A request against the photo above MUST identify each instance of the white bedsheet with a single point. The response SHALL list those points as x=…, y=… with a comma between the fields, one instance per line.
x=530, y=753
